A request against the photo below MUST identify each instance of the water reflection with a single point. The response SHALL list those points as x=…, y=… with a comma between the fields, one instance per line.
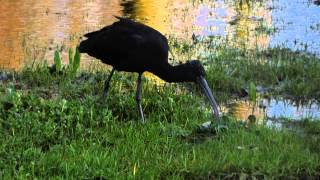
x=287, y=109
x=274, y=110
x=298, y=25
x=242, y=110
x=30, y=30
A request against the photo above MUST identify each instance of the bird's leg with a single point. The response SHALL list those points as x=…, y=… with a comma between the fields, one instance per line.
x=138, y=97
x=107, y=82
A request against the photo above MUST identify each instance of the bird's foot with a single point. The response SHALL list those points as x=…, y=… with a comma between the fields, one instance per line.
x=209, y=126
x=141, y=113
x=105, y=94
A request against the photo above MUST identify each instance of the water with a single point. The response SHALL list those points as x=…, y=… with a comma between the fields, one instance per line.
x=274, y=110
x=287, y=109
x=30, y=30
x=298, y=25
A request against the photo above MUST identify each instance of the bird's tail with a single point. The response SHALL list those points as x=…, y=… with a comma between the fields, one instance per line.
x=83, y=47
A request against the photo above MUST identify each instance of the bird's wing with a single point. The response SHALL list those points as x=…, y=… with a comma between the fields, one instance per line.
x=121, y=36
x=91, y=34
x=125, y=40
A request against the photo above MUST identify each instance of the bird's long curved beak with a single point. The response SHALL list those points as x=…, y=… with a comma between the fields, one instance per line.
x=207, y=91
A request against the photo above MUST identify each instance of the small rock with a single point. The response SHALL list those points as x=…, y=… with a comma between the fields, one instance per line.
x=3, y=76
x=252, y=119
x=7, y=105
x=206, y=125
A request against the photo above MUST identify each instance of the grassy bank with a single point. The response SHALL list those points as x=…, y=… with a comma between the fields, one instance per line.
x=58, y=125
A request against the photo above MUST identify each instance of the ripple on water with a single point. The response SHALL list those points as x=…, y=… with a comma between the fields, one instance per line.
x=275, y=110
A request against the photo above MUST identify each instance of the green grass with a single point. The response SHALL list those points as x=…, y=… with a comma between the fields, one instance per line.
x=59, y=126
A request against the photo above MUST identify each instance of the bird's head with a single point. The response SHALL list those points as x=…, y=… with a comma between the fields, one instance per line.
x=197, y=74
x=195, y=69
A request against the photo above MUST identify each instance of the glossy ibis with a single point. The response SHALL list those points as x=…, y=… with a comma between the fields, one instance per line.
x=131, y=46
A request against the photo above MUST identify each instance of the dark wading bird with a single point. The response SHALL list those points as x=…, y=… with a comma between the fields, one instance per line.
x=130, y=46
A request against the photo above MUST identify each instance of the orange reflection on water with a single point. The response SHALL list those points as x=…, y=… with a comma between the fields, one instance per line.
x=248, y=19
x=31, y=30
x=241, y=110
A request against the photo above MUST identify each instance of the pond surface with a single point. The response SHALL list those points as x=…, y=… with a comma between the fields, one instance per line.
x=31, y=30
x=274, y=113
x=274, y=110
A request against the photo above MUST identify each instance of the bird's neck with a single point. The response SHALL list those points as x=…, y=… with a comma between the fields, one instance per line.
x=171, y=73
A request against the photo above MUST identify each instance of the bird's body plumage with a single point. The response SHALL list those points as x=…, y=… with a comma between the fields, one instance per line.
x=127, y=46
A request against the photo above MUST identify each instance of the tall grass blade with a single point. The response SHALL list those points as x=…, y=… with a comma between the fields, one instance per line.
x=252, y=93
x=70, y=56
x=76, y=61
x=57, y=60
